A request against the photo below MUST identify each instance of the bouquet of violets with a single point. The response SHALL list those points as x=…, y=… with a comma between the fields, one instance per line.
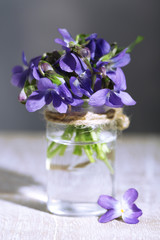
x=88, y=67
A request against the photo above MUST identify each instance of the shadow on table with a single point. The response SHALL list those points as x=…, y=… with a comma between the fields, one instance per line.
x=11, y=182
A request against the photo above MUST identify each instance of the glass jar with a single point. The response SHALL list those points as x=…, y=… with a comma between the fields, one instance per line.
x=80, y=165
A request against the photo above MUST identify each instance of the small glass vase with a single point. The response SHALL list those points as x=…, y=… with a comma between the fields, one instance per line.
x=80, y=164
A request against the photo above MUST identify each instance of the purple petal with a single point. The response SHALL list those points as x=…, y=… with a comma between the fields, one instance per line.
x=35, y=61
x=61, y=42
x=92, y=36
x=119, y=55
x=85, y=92
x=130, y=196
x=77, y=89
x=80, y=65
x=45, y=84
x=58, y=103
x=126, y=98
x=107, y=202
x=17, y=69
x=102, y=47
x=113, y=100
x=99, y=98
x=131, y=214
x=67, y=63
x=92, y=47
x=64, y=92
x=65, y=34
x=85, y=83
x=112, y=76
x=95, y=70
x=118, y=78
x=98, y=83
x=77, y=102
x=35, y=74
x=121, y=59
x=100, y=64
x=18, y=79
x=35, y=101
x=15, y=80
x=75, y=86
x=109, y=216
x=136, y=212
x=121, y=80
x=130, y=220
x=67, y=49
x=24, y=59
x=48, y=97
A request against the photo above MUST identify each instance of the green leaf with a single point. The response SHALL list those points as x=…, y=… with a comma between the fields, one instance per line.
x=109, y=55
x=53, y=57
x=80, y=38
x=72, y=44
x=30, y=87
x=54, y=77
x=132, y=45
x=106, y=57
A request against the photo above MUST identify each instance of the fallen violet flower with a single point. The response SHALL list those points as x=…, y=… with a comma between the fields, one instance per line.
x=124, y=208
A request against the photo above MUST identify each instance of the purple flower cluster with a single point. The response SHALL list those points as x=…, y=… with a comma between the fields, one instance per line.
x=126, y=208
x=87, y=68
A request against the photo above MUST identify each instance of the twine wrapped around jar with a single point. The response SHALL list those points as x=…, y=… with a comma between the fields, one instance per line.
x=113, y=118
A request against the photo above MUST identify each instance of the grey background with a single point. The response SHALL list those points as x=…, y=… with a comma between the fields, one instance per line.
x=32, y=26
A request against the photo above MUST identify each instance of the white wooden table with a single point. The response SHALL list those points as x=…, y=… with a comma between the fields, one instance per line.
x=23, y=213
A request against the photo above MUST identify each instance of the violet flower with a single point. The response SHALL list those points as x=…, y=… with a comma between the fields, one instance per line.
x=66, y=38
x=20, y=75
x=116, y=97
x=71, y=62
x=86, y=68
x=82, y=85
x=48, y=92
x=97, y=46
x=104, y=68
x=124, y=208
x=119, y=60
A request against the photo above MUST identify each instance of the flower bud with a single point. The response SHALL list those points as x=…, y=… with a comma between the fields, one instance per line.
x=103, y=71
x=44, y=67
x=85, y=52
x=22, y=96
